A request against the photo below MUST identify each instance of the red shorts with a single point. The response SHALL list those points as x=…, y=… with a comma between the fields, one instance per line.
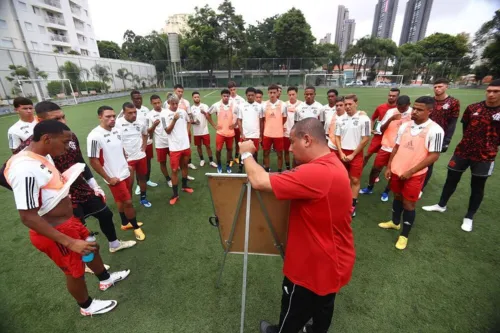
x=255, y=143
x=121, y=191
x=161, y=154
x=175, y=158
x=277, y=143
x=140, y=166
x=220, y=140
x=286, y=144
x=410, y=188
x=237, y=134
x=382, y=159
x=149, y=151
x=202, y=140
x=375, y=145
x=68, y=261
x=355, y=167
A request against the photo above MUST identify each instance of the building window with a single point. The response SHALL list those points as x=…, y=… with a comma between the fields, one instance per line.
x=84, y=52
x=7, y=42
x=23, y=6
x=3, y=24
x=28, y=26
x=34, y=45
x=86, y=13
x=36, y=10
x=41, y=28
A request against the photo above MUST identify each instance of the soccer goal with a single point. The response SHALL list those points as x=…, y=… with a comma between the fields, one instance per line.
x=57, y=90
x=325, y=80
x=390, y=81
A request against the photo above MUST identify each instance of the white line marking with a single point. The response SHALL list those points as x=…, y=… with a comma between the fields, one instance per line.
x=210, y=93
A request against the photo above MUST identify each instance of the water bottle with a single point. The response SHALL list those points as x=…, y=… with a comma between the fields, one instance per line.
x=89, y=257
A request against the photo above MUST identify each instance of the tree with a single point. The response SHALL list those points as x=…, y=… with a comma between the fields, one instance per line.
x=136, y=47
x=327, y=55
x=102, y=72
x=22, y=73
x=108, y=49
x=411, y=62
x=487, y=38
x=124, y=75
x=74, y=73
x=232, y=31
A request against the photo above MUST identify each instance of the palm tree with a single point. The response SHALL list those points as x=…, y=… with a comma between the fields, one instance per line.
x=73, y=73
x=124, y=74
x=102, y=72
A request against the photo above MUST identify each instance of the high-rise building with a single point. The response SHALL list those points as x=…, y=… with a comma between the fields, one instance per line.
x=347, y=35
x=417, y=15
x=384, y=17
x=48, y=25
x=327, y=39
x=177, y=24
x=342, y=15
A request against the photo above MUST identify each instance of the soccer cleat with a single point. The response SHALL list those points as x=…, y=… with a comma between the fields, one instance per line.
x=139, y=234
x=187, y=190
x=151, y=184
x=366, y=190
x=130, y=226
x=174, y=199
x=213, y=164
x=145, y=203
x=236, y=160
x=169, y=183
x=228, y=169
x=88, y=270
x=384, y=197
x=377, y=180
x=202, y=163
x=123, y=245
x=266, y=327
x=420, y=194
x=190, y=178
x=137, y=190
x=231, y=163
x=113, y=278
x=192, y=166
x=389, y=225
x=467, y=225
x=98, y=307
x=353, y=211
x=401, y=243
x=219, y=169
x=434, y=208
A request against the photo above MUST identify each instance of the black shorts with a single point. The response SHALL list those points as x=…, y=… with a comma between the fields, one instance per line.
x=477, y=168
x=88, y=208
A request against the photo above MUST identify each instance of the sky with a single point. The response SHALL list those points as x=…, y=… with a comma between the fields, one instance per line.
x=112, y=17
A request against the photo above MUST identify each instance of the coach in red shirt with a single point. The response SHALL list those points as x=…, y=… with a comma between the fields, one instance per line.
x=320, y=249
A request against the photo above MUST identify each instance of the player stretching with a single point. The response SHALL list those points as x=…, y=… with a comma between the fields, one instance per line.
x=107, y=158
x=23, y=128
x=38, y=189
x=310, y=108
x=226, y=120
x=377, y=117
x=291, y=107
x=250, y=120
x=275, y=116
x=177, y=123
x=134, y=135
x=258, y=96
x=418, y=145
x=352, y=134
x=200, y=129
x=329, y=112
x=235, y=100
x=339, y=113
x=477, y=150
x=389, y=126
x=157, y=131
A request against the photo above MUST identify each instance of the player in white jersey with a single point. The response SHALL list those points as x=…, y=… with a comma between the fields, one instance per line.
x=177, y=123
x=107, y=158
x=251, y=121
x=352, y=133
x=309, y=108
x=291, y=106
x=258, y=96
x=23, y=128
x=200, y=129
x=330, y=112
x=157, y=131
x=339, y=112
x=236, y=100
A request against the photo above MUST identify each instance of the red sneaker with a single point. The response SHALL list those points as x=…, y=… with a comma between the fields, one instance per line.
x=188, y=190
x=173, y=200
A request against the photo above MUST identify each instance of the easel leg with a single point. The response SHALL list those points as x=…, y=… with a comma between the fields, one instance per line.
x=263, y=208
x=245, y=257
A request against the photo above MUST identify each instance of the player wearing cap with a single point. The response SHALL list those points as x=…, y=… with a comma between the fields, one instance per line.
x=23, y=128
x=329, y=112
x=275, y=116
x=157, y=132
x=177, y=124
x=291, y=106
x=236, y=100
x=477, y=150
x=107, y=158
x=200, y=129
x=310, y=108
x=418, y=145
x=352, y=133
x=389, y=127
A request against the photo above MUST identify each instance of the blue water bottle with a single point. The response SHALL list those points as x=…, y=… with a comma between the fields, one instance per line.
x=89, y=257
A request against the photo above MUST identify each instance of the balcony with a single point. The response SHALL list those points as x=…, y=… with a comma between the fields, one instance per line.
x=59, y=38
x=55, y=20
x=53, y=3
x=79, y=26
x=82, y=41
x=76, y=10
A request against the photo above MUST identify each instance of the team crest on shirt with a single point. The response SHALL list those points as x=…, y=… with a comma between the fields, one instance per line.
x=496, y=116
x=138, y=128
x=355, y=123
x=72, y=145
x=446, y=106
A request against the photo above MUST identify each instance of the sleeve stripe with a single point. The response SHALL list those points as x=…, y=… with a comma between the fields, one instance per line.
x=367, y=128
x=29, y=187
x=438, y=142
x=164, y=122
x=93, y=150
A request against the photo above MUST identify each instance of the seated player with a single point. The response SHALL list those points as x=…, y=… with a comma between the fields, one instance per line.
x=107, y=157
x=389, y=127
x=177, y=123
x=250, y=120
x=236, y=100
x=310, y=108
x=226, y=120
x=159, y=135
x=418, y=145
x=352, y=134
x=37, y=186
x=200, y=129
x=134, y=136
x=291, y=106
x=258, y=96
x=329, y=112
x=275, y=115
x=23, y=128
x=339, y=112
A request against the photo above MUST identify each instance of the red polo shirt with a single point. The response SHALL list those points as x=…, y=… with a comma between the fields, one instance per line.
x=320, y=249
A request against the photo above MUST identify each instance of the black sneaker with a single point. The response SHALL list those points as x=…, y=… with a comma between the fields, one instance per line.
x=266, y=327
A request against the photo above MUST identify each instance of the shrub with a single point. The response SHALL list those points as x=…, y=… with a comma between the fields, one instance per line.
x=57, y=87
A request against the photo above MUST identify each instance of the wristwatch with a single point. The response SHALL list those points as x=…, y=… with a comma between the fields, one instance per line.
x=245, y=156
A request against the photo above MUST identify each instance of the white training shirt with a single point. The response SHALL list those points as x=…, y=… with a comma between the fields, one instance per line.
x=20, y=132
x=109, y=144
x=216, y=107
x=290, y=118
x=236, y=101
x=352, y=129
x=328, y=113
x=201, y=125
x=304, y=110
x=142, y=115
x=131, y=136
x=160, y=136
x=386, y=118
x=250, y=115
x=433, y=139
x=183, y=105
x=178, y=139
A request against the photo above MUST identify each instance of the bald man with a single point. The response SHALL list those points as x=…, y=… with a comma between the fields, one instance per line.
x=320, y=247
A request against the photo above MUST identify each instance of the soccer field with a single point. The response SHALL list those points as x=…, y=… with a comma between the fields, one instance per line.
x=446, y=280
